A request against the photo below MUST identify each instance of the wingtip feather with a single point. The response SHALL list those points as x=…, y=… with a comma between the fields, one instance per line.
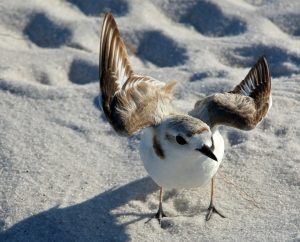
x=258, y=79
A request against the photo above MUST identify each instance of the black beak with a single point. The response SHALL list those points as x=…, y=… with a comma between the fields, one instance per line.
x=205, y=150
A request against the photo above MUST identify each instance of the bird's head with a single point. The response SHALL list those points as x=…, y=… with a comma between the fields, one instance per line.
x=185, y=136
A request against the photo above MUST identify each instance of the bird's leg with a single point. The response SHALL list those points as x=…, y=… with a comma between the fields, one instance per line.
x=160, y=213
x=211, y=208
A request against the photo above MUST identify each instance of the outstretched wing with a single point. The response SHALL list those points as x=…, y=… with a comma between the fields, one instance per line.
x=242, y=108
x=114, y=67
x=130, y=102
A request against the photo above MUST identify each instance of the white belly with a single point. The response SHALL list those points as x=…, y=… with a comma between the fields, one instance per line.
x=177, y=171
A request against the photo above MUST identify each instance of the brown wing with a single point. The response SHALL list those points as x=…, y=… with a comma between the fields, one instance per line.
x=114, y=67
x=130, y=102
x=242, y=108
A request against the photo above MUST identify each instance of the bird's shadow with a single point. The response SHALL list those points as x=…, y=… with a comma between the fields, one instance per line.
x=92, y=220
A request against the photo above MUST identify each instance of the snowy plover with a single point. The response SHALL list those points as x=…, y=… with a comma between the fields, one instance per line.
x=178, y=150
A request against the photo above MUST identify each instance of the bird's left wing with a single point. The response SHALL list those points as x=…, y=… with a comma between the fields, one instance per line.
x=242, y=108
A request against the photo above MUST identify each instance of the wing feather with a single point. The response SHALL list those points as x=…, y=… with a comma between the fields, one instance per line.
x=242, y=108
x=130, y=102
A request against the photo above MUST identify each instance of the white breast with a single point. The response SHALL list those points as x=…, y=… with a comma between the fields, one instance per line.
x=176, y=171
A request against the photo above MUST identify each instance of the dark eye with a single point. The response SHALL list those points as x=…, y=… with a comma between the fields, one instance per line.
x=180, y=140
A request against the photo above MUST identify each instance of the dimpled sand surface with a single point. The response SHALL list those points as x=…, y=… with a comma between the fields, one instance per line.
x=65, y=175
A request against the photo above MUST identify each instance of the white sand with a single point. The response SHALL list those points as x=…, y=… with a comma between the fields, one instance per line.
x=64, y=173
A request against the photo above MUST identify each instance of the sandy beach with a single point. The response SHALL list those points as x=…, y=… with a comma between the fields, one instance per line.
x=65, y=175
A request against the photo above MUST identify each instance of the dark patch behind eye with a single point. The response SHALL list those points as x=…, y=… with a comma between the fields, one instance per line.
x=157, y=148
x=212, y=144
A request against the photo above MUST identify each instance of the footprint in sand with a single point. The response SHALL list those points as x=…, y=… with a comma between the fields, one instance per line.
x=236, y=137
x=46, y=33
x=83, y=72
x=281, y=132
x=206, y=17
x=289, y=23
x=281, y=61
x=96, y=7
x=160, y=50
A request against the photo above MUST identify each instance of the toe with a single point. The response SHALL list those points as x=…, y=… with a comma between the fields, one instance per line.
x=212, y=210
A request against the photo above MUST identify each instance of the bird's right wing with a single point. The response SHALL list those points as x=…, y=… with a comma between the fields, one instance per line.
x=242, y=108
x=130, y=102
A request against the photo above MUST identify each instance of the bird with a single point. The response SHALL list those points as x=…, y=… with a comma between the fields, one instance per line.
x=178, y=150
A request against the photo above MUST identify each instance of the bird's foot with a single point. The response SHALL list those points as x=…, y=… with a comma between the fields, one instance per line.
x=211, y=210
x=159, y=215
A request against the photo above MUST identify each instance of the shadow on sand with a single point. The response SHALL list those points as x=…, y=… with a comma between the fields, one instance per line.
x=92, y=220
